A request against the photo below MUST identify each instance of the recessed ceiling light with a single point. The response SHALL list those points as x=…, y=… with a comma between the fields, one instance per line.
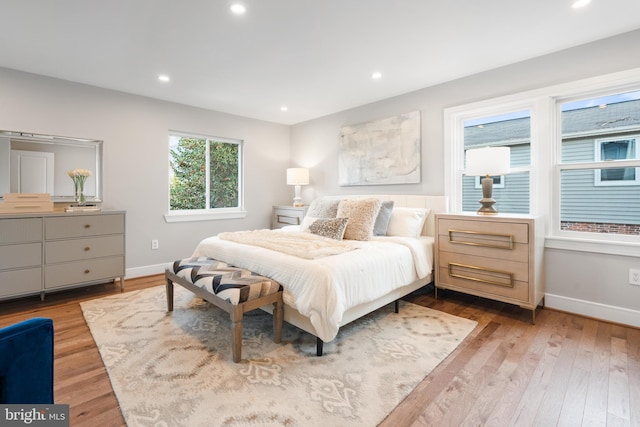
x=377, y=75
x=163, y=78
x=580, y=3
x=284, y=108
x=238, y=9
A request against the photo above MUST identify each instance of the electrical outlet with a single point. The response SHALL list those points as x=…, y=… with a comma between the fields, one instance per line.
x=154, y=245
x=634, y=276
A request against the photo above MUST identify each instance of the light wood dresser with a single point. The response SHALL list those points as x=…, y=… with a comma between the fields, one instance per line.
x=45, y=252
x=288, y=215
x=497, y=257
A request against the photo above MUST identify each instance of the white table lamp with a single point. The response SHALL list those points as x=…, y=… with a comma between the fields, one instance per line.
x=485, y=162
x=297, y=177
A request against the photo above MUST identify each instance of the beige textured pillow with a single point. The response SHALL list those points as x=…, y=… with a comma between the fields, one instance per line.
x=362, y=214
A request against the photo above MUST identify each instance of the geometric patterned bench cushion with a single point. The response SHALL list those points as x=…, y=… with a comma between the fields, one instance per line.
x=233, y=284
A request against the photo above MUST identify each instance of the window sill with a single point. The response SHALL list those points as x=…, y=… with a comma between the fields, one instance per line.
x=595, y=246
x=203, y=216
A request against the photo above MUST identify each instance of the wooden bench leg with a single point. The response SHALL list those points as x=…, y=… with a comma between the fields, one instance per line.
x=169, y=288
x=236, y=333
x=278, y=316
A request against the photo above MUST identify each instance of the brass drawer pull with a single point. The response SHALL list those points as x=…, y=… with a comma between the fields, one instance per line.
x=87, y=226
x=477, y=279
x=87, y=249
x=508, y=244
x=87, y=271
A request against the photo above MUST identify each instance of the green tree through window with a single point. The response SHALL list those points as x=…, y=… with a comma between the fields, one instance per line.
x=204, y=173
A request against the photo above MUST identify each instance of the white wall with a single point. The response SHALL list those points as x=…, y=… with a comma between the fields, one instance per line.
x=591, y=284
x=135, y=134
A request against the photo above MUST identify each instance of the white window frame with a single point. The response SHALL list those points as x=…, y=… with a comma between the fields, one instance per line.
x=454, y=138
x=209, y=213
x=598, y=157
x=545, y=167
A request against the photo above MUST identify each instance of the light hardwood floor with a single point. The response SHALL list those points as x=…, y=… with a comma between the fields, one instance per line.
x=566, y=370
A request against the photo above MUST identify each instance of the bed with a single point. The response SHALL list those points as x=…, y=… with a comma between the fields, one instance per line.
x=357, y=275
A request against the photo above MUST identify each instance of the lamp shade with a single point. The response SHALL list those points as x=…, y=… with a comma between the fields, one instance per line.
x=297, y=176
x=487, y=161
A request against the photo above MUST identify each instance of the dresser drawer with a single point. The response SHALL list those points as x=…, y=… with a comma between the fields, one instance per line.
x=485, y=233
x=20, y=230
x=83, y=226
x=58, y=275
x=518, y=294
x=516, y=252
x=22, y=281
x=519, y=270
x=78, y=249
x=496, y=277
x=283, y=216
x=21, y=255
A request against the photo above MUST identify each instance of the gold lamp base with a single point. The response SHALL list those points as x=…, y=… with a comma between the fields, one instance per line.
x=487, y=208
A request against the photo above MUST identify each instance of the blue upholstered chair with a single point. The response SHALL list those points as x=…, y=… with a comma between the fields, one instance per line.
x=26, y=362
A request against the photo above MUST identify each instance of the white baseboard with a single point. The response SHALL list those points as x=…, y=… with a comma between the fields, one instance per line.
x=595, y=310
x=147, y=270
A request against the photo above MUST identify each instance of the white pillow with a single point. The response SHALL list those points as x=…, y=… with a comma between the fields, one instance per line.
x=407, y=222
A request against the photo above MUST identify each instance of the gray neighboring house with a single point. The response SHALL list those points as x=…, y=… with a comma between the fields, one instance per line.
x=606, y=201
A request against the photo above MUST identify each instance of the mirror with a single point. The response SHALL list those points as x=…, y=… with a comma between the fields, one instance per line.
x=36, y=163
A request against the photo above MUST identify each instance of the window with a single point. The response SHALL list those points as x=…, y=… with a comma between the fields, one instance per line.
x=617, y=149
x=598, y=135
x=575, y=159
x=204, y=177
x=511, y=129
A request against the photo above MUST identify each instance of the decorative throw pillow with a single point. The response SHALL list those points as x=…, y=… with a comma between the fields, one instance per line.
x=323, y=208
x=362, y=215
x=407, y=222
x=332, y=228
x=307, y=221
x=382, y=221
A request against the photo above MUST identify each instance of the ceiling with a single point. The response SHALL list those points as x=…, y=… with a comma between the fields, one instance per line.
x=314, y=56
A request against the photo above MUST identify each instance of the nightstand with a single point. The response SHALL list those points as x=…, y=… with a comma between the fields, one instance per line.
x=287, y=215
x=497, y=257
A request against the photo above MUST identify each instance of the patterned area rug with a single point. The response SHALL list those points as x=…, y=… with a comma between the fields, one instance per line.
x=175, y=369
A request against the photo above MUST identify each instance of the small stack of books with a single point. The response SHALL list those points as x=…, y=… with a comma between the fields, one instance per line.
x=26, y=203
x=82, y=208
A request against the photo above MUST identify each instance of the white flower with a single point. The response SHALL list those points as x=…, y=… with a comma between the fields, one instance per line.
x=79, y=172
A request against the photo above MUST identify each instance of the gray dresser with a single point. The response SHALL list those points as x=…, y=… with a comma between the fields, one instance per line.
x=42, y=253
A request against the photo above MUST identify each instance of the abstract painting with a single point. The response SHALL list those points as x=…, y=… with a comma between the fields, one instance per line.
x=380, y=152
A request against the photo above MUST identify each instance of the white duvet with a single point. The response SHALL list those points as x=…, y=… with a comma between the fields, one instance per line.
x=323, y=289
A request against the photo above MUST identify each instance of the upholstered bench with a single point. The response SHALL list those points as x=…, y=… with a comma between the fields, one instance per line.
x=232, y=289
